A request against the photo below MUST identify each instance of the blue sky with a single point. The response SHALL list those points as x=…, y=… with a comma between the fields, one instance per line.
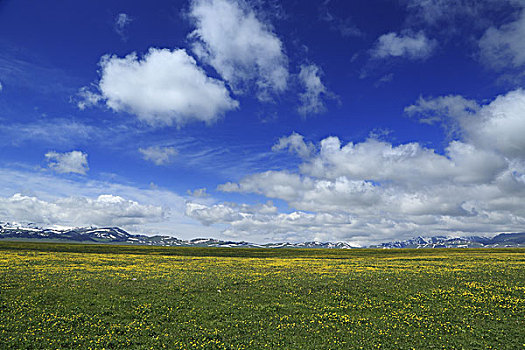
x=262, y=120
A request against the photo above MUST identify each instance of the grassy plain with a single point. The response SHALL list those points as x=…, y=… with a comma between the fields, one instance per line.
x=67, y=296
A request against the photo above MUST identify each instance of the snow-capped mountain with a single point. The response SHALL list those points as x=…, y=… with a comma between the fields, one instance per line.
x=501, y=240
x=116, y=235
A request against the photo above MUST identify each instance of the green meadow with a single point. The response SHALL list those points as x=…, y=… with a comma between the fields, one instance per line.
x=75, y=296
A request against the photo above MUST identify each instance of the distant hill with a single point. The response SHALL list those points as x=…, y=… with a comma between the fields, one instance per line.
x=116, y=235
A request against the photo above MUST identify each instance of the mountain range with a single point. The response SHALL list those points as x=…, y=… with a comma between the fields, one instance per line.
x=116, y=235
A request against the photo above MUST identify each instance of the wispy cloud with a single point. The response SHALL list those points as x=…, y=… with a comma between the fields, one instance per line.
x=504, y=47
x=345, y=27
x=315, y=92
x=122, y=20
x=412, y=46
x=49, y=131
x=158, y=155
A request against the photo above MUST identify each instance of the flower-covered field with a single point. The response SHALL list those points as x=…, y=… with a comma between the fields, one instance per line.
x=64, y=296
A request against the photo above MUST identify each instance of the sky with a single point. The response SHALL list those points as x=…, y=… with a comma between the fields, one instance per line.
x=265, y=121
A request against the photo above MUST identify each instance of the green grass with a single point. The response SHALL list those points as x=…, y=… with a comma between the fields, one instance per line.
x=104, y=296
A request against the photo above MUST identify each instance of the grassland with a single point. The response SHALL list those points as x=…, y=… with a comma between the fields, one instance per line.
x=66, y=296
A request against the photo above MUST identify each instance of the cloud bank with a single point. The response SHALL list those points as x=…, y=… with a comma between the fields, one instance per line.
x=46, y=199
x=373, y=190
x=104, y=210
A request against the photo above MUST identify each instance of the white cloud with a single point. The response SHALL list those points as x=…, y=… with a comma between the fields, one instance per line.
x=448, y=111
x=242, y=49
x=1, y=87
x=405, y=164
x=498, y=125
x=68, y=162
x=308, y=193
x=312, y=99
x=364, y=194
x=122, y=20
x=264, y=224
x=148, y=210
x=377, y=212
x=209, y=215
x=439, y=109
x=158, y=155
x=504, y=46
x=295, y=143
x=412, y=46
x=104, y=210
x=162, y=88
x=87, y=98
x=387, y=191
x=198, y=193
x=332, y=211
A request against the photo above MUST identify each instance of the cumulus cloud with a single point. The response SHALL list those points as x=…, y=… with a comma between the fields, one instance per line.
x=68, y=162
x=158, y=155
x=386, y=191
x=504, y=46
x=383, y=211
x=447, y=111
x=295, y=143
x=122, y=20
x=1, y=87
x=412, y=46
x=307, y=193
x=164, y=87
x=312, y=98
x=334, y=211
x=214, y=214
x=440, y=109
x=244, y=50
x=334, y=186
x=104, y=210
x=498, y=125
x=406, y=164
